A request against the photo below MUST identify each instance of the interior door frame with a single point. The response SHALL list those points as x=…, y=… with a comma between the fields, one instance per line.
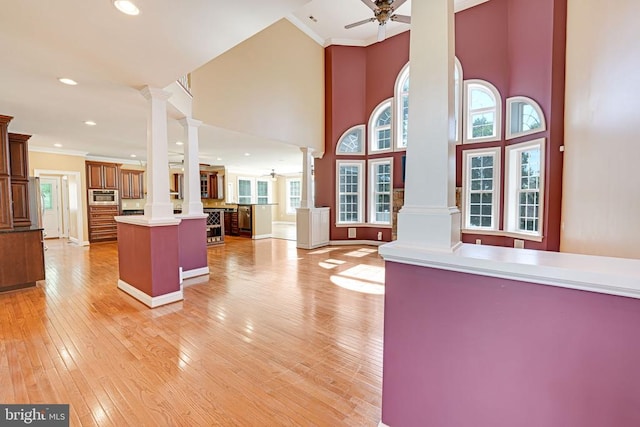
x=61, y=216
x=78, y=198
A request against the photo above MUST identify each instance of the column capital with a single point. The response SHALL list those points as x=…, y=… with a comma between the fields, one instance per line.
x=307, y=150
x=190, y=121
x=155, y=93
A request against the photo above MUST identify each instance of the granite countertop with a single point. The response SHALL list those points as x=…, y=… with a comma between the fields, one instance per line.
x=21, y=229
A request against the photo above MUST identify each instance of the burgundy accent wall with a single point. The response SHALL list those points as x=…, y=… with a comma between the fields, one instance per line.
x=193, y=243
x=520, y=48
x=466, y=350
x=357, y=79
x=148, y=258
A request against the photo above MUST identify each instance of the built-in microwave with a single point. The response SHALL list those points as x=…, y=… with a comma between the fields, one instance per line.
x=103, y=197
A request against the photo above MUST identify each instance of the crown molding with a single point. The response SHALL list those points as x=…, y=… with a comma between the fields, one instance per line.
x=60, y=151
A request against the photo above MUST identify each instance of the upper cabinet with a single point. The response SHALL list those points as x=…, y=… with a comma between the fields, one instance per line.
x=103, y=175
x=132, y=184
x=5, y=179
x=19, y=166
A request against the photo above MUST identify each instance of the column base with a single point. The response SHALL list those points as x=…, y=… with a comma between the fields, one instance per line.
x=436, y=229
x=312, y=228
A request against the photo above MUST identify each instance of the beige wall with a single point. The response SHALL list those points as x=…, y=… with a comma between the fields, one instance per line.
x=281, y=211
x=271, y=85
x=58, y=162
x=601, y=194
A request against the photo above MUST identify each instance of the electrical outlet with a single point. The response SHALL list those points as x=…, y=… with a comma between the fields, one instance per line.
x=379, y=235
x=518, y=244
x=352, y=233
x=478, y=241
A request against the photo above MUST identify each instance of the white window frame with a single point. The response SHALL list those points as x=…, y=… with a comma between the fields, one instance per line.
x=268, y=181
x=509, y=134
x=469, y=85
x=512, y=188
x=360, y=192
x=457, y=96
x=252, y=187
x=373, y=130
x=290, y=209
x=397, y=118
x=466, y=188
x=362, y=129
x=372, y=187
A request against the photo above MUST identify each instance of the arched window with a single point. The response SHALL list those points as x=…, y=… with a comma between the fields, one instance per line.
x=524, y=117
x=352, y=141
x=380, y=128
x=483, y=107
x=402, y=107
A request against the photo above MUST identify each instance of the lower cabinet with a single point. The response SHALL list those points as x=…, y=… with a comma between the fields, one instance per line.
x=231, y=223
x=102, y=224
x=23, y=256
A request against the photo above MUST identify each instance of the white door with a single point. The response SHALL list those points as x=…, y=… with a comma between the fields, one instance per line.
x=51, y=217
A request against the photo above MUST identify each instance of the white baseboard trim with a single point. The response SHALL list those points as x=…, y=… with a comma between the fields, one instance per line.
x=356, y=242
x=284, y=222
x=195, y=272
x=149, y=301
x=78, y=242
x=262, y=236
x=381, y=424
x=319, y=245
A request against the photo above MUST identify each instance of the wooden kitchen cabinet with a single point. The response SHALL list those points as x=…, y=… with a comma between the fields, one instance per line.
x=19, y=166
x=103, y=175
x=132, y=184
x=5, y=179
x=103, y=226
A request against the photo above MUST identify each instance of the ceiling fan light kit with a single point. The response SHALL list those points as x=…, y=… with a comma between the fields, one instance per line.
x=383, y=12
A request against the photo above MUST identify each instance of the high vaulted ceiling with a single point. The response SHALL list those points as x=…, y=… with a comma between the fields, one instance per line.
x=112, y=56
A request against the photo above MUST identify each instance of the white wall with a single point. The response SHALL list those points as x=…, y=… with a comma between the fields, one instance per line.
x=601, y=193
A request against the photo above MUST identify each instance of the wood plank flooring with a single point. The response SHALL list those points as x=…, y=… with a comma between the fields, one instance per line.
x=276, y=336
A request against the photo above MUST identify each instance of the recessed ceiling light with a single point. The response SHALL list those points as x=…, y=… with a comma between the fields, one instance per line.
x=90, y=123
x=133, y=155
x=247, y=154
x=57, y=145
x=179, y=143
x=219, y=158
x=127, y=7
x=67, y=81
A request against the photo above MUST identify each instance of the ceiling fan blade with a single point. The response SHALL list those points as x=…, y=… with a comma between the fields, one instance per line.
x=382, y=32
x=355, y=24
x=397, y=3
x=370, y=4
x=401, y=18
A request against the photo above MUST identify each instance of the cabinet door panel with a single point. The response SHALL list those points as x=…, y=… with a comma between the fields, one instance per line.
x=5, y=207
x=20, y=197
x=94, y=175
x=126, y=185
x=110, y=176
x=137, y=184
x=18, y=157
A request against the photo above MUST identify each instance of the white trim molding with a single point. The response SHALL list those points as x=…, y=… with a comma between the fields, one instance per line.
x=606, y=275
x=149, y=301
x=188, y=274
x=355, y=242
x=262, y=236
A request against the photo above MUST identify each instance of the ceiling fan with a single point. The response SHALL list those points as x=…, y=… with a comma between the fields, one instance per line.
x=383, y=11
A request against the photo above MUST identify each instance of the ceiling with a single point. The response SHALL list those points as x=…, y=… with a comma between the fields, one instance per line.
x=112, y=56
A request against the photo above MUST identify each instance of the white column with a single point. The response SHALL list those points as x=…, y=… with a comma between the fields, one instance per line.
x=192, y=204
x=158, y=205
x=429, y=218
x=306, y=195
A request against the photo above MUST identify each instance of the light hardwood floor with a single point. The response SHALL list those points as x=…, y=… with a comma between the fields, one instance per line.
x=276, y=336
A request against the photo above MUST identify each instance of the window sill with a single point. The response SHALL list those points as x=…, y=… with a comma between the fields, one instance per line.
x=503, y=233
x=362, y=225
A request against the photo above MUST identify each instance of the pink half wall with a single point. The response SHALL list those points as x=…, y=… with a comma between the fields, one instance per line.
x=464, y=350
x=193, y=243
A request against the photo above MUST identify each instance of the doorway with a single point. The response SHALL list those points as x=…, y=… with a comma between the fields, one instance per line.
x=53, y=207
x=69, y=220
